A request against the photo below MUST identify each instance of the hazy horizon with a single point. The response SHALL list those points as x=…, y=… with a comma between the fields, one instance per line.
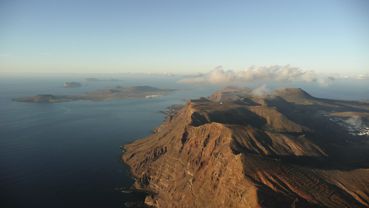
x=193, y=103
x=40, y=36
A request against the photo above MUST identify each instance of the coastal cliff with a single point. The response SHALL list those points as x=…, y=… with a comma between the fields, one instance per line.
x=237, y=149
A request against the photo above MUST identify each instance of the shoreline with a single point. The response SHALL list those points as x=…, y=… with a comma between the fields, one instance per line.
x=144, y=193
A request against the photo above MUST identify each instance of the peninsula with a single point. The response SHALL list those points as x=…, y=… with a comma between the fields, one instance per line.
x=238, y=149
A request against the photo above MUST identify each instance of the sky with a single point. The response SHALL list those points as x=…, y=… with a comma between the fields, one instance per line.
x=188, y=36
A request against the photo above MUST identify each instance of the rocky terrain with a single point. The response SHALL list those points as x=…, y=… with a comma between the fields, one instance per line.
x=238, y=149
x=100, y=95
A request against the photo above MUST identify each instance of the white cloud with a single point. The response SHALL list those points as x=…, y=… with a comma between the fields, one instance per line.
x=261, y=90
x=276, y=73
x=363, y=76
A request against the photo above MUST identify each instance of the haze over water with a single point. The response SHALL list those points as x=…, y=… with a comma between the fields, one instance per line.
x=67, y=154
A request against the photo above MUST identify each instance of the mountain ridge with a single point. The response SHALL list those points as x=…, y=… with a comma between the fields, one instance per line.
x=252, y=153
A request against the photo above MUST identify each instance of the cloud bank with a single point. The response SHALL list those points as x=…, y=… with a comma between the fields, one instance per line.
x=276, y=73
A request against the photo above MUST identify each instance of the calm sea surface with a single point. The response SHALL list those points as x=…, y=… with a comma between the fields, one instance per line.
x=67, y=154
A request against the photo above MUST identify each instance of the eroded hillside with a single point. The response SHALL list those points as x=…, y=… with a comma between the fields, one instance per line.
x=236, y=149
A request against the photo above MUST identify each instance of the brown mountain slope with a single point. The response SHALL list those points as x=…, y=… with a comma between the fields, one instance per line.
x=236, y=149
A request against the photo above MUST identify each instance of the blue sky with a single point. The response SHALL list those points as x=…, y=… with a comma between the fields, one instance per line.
x=330, y=36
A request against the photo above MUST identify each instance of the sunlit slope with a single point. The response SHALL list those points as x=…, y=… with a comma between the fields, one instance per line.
x=238, y=149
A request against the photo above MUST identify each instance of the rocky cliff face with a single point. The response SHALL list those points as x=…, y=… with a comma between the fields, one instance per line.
x=235, y=149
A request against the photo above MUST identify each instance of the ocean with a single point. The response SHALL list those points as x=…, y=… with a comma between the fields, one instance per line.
x=68, y=154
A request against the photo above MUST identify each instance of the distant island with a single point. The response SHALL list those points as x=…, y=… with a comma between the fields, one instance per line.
x=92, y=79
x=72, y=84
x=238, y=148
x=100, y=95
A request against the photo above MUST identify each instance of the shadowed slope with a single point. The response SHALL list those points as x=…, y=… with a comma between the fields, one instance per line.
x=242, y=150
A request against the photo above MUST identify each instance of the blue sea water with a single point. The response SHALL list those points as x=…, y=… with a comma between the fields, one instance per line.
x=68, y=155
